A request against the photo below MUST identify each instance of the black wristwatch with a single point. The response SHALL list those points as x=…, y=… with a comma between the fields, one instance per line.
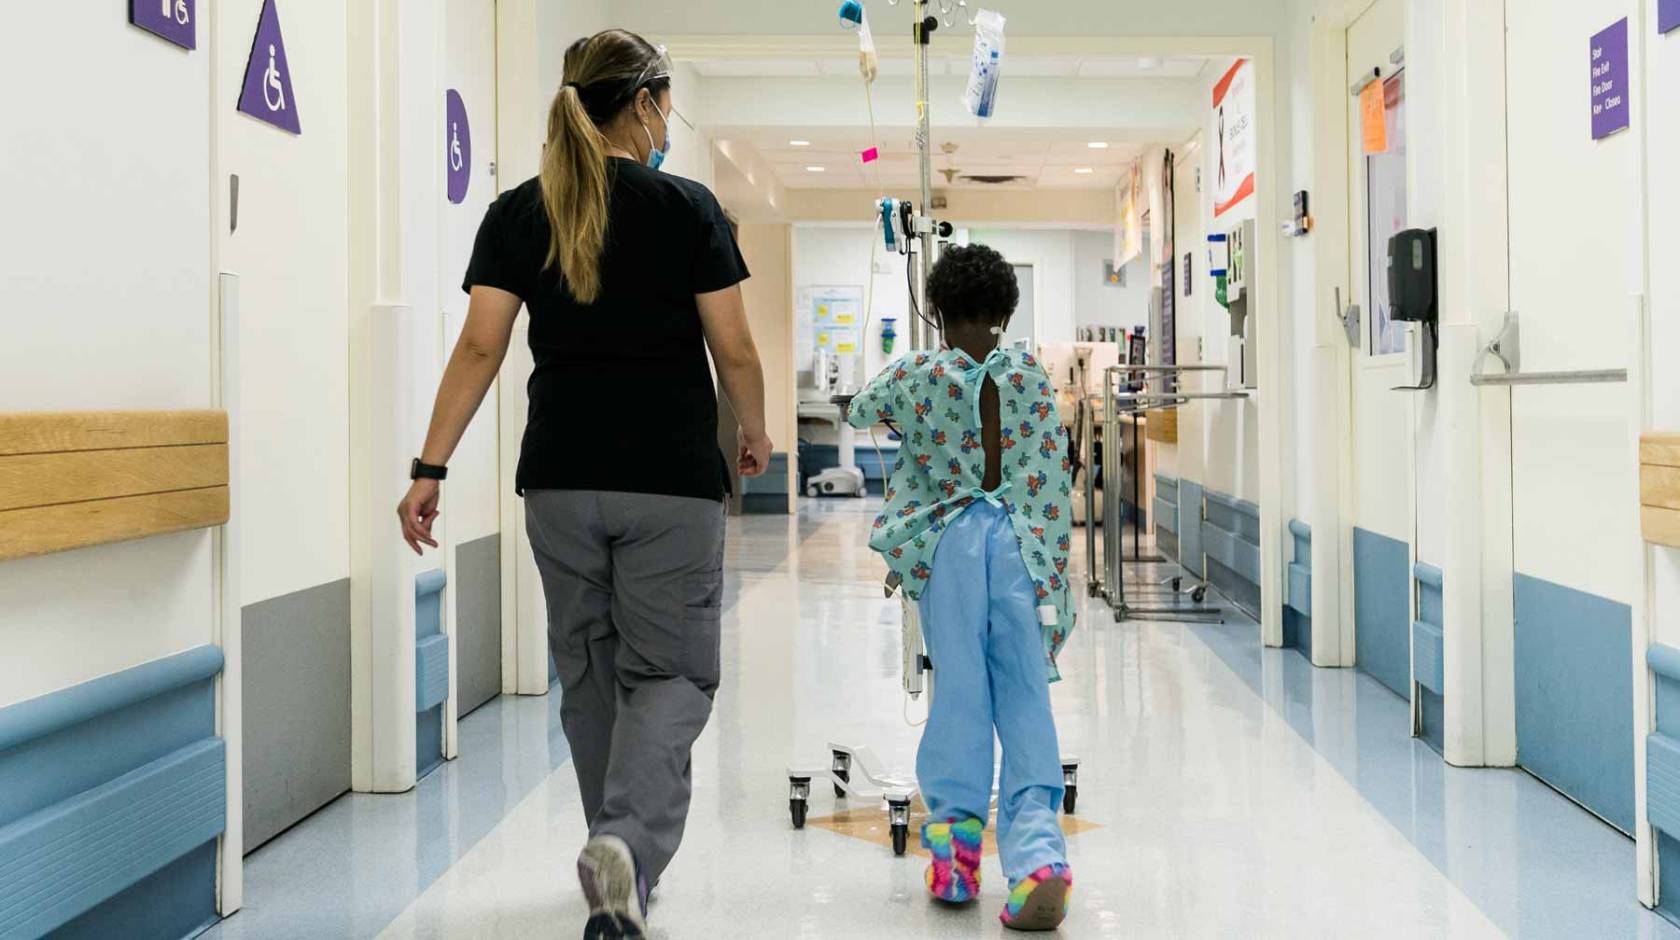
x=426, y=471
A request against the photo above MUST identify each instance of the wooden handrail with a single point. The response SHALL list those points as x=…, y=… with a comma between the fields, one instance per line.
x=1659, y=487
x=73, y=479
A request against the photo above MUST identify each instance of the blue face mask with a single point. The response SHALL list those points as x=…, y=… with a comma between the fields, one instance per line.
x=656, y=153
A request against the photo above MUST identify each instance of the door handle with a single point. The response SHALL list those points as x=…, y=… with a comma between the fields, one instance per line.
x=1349, y=317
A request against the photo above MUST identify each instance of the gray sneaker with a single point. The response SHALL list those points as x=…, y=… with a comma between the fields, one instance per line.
x=616, y=892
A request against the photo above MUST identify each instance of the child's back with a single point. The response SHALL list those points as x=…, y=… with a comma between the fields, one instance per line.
x=976, y=430
x=978, y=527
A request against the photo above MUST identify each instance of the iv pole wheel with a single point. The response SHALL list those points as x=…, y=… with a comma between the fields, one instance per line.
x=1070, y=787
x=1199, y=594
x=898, y=814
x=799, y=800
x=842, y=771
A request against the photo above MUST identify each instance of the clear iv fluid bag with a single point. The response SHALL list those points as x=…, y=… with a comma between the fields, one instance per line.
x=981, y=95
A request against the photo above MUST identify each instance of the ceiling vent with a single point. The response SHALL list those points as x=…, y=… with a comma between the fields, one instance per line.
x=994, y=180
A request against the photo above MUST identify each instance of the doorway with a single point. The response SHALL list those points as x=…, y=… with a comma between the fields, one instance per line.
x=1024, y=327
x=1377, y=545
x=473, y=494
x=1576, y=268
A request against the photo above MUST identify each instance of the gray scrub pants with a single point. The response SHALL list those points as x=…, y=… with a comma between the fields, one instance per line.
x=635, y=587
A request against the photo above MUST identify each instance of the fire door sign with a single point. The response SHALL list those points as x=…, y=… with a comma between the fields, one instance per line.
x=173, y=20
x=1611, y=110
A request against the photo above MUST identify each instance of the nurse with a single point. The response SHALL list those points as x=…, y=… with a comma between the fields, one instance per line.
x=631, y=277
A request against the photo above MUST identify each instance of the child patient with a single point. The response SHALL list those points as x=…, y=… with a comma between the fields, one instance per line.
x=978, y=527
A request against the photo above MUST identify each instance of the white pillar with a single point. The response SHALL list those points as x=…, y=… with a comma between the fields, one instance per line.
x=397, y=100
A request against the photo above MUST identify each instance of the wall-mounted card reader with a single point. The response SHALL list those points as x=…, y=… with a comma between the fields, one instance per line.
x=1413, y=289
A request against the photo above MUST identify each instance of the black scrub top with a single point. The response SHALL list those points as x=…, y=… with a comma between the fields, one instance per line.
x=621, y=398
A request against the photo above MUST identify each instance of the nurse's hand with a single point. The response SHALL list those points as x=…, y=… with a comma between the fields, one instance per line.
x=417, y=511
x=755, y=453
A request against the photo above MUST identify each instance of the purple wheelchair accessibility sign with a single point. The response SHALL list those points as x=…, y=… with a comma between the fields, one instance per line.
x=267, y=92
x=174, y=20
x=457, y=136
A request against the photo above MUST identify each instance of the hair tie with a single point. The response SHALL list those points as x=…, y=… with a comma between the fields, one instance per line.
x=572, y=85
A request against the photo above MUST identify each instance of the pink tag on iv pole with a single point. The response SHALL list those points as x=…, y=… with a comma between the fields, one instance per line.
x=871, y=155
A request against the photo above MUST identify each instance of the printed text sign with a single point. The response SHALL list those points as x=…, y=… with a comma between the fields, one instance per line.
x=1610, y=106
x=267, y=92
x=1234, y=133
x=174, y=20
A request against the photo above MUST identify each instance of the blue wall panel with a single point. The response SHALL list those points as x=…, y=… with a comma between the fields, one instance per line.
x=121, y=783
x=1190, y=498
x=1231, y=544
x=1662, y=776
x=431, y=670
x=1429, y=654
x=1164, y=510
x=1297, y=597
x=1382, y=585
x=1574, y=686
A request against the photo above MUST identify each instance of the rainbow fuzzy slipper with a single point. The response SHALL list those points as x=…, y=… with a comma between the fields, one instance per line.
x=1040, y=900
x=954, y=874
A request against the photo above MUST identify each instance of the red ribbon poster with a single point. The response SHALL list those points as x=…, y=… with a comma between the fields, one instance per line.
x=1233, y=124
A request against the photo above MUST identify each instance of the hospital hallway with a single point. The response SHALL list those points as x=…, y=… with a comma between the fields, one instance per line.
x=1225, y=791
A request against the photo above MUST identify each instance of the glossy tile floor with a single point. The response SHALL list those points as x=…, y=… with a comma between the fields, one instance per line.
x=1235, y=792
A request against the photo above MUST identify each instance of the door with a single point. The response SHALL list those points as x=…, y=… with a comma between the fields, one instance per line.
x=472, y=498
x=1023, y=328
x=1377, y=547
x=284, y=240
x=1577, y=259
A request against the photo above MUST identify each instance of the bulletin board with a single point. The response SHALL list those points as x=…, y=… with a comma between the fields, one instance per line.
x=831, y=318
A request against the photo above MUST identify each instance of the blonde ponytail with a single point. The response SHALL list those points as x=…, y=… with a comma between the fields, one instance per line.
x=575, y=188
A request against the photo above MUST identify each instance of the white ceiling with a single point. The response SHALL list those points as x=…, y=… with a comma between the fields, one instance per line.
x=1042, y=156
x=1023, y=66
x=1043, y=159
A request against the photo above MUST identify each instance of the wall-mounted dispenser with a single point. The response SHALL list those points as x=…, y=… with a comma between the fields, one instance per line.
x=1412, y=295
x=1235, y=289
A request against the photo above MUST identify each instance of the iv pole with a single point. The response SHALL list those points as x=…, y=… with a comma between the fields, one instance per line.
x=921, y=32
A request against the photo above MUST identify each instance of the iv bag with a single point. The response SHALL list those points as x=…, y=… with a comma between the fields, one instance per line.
x=981, y=94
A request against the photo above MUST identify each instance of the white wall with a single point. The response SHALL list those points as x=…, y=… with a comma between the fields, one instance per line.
x=105, y=279
x=1067, y=271
x=1096, y=303
x=1051, y=253
x=830, y=255
x=1231, y=429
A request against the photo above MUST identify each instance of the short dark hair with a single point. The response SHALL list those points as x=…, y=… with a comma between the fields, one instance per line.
x=972, y=284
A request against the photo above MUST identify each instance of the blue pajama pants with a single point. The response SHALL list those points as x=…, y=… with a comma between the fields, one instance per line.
x=980, y=623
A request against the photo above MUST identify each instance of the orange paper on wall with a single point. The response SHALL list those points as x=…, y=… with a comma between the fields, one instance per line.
x=1373, y=115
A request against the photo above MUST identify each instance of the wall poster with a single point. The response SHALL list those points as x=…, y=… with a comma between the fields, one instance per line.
x=1128, y=226
x=1234, y=130
x=831, y=318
